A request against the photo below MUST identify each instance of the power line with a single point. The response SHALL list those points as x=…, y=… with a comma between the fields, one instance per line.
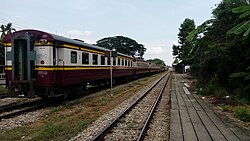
x=15, y=25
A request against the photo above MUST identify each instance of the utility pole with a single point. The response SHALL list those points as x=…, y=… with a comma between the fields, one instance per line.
x=111, y=55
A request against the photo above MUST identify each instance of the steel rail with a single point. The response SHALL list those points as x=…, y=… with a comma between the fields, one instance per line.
x=28, y=107
x=108, y=128
x=12, y=106
x=3, y=95
x=150, y=115
x=23, y=110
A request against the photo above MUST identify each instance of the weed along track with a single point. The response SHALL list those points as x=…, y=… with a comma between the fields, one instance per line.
x=133, y=123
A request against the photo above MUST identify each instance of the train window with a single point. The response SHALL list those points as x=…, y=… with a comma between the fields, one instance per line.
x=114, y=61
x=95, y=59
x=102, y=60
x=85, y=58
x=119, y=62
x=122, y=62
x=73, y=57
x=108, y=60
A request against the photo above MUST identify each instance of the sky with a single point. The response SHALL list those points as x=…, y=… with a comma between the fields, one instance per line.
x=155, y=24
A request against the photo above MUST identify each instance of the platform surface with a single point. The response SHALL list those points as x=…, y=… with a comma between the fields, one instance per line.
x=192, y=119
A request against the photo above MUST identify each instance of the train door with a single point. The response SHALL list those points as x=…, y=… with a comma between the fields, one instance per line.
x=60, y=64
x=22, y=56
x=54, y=63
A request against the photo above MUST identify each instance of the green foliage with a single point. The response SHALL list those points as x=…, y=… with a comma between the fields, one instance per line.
x=219, y=57
x=176, y=50
x=51, y=130
x=212, y=88
x=224, y=107
x=176, y=61
x=157, y=61
x=2, y=89
x=242, y=113
x=181, y=51
x=201, y=29
x=241, y=83
x=243, y=27
x=240, y=28
x=5, y=30
x=123, y=45
x=238, y=74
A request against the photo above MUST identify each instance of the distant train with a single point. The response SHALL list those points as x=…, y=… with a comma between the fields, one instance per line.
x=47, y=65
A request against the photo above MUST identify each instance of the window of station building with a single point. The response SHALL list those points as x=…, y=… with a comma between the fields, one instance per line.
x=73, y=57
x=102, y=60
x=95, y=59
x=85, y=58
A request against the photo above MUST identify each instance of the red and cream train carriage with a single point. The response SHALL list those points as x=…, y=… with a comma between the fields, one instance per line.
x=44, y=64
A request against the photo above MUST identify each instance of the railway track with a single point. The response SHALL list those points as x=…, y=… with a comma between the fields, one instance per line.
x=15, y=109
x=15, y=105
x=4, y=95
x=133, y=123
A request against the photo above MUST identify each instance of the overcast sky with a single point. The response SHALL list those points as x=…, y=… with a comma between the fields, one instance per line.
x=153, y=23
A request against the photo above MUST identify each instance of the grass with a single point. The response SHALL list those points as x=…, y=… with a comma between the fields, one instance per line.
x=3, y=89
x=242, y=113
x=66, y=120
x=224, y=107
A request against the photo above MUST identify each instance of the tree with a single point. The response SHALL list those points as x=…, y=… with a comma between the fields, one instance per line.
x=181, y=51
x=218, y=59
x=157, y=61
x=5, y=30
x=123, y=45
x=243, y=27
x=241, y=77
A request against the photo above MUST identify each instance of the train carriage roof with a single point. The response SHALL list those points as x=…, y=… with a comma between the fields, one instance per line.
x=56, y=39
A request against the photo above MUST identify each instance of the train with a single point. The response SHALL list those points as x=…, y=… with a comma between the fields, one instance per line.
x=41, y=64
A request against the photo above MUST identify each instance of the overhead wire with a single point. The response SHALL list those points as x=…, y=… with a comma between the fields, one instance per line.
x=15, y=25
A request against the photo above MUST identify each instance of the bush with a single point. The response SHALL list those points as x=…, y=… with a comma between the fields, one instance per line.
x=242, y=113
x=211, y=88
